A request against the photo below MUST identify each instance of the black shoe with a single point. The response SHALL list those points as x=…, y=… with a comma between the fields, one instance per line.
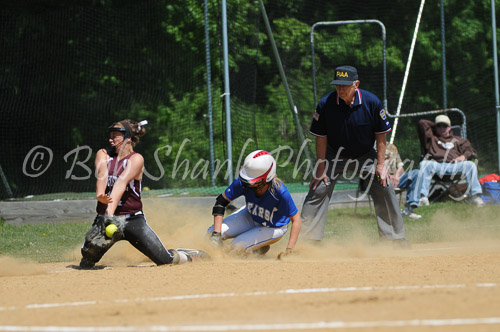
x=262, y=250
x=401, y=244
x=194, y=254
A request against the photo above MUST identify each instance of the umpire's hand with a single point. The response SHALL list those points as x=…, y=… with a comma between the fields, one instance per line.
x=382, y=175
x=319, y=177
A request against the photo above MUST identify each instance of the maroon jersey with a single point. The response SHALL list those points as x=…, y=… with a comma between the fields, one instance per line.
x=130, y=201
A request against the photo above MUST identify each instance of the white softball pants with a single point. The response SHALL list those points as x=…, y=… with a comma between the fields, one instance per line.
x=247, y=234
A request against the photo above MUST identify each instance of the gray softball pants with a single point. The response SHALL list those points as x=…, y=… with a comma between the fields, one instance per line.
x=388, y=213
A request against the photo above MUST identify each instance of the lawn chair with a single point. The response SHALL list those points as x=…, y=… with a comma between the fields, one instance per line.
x=362, y=188
x=447, y=186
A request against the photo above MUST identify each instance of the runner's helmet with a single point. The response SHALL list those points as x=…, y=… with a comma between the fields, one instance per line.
x=259, y=167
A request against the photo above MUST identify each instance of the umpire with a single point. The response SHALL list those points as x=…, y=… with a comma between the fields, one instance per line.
x=347, y=122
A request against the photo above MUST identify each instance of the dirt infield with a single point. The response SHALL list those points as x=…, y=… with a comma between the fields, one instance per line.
x=452, y=286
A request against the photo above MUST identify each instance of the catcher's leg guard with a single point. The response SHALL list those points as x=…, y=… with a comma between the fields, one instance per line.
x=91, y=254
x=96, y=244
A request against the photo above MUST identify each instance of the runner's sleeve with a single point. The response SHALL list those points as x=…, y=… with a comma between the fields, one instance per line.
x=286, y=205
x=234, y=190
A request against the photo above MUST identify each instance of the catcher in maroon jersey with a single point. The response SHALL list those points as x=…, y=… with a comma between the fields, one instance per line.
x=119, y=173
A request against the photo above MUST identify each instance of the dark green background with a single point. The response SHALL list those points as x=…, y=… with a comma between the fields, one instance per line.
x=70, y=68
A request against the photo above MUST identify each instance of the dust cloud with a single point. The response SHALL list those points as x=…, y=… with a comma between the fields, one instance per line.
x=180, y=225
x=183, y=226
x=477, y=225
x=10, y=267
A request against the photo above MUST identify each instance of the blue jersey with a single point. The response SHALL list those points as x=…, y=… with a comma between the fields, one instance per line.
x=273, y=209
x=351, y=128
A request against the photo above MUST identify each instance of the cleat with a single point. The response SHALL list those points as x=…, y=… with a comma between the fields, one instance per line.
x=262, y=250
x=194, y=254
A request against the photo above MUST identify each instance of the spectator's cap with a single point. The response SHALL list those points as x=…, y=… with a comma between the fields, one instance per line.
x=345, y=75
x=443, y=119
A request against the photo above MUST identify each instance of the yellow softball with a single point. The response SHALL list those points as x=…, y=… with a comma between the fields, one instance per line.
x=110, y=230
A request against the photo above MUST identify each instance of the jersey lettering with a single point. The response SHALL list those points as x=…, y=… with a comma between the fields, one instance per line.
x=111, y=180
x=272, y=214
x=270, y=210
x=130, y=201
x=256, y=210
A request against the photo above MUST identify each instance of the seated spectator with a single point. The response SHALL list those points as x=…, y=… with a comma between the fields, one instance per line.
x=447, y=154
x=403, y=180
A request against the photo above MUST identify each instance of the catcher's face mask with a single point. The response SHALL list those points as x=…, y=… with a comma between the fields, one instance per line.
x=114, y=128
x=125, y=131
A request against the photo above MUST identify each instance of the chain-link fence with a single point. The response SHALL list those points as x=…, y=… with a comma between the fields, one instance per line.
x=71, y=69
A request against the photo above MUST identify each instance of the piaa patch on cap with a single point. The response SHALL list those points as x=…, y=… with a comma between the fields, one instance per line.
x=345, y=75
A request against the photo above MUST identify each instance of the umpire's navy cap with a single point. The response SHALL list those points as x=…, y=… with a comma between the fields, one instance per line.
x=345, y=75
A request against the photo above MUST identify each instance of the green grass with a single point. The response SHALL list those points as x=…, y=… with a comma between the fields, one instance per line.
x=42, y=243
x=447, y=221
x=441, y=222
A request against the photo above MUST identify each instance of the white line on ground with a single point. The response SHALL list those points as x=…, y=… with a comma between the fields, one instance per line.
x=261, y=293
x=260, y=327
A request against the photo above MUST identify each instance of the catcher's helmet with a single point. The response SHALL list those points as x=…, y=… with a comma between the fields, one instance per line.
x=259, y=166
x=124, y=129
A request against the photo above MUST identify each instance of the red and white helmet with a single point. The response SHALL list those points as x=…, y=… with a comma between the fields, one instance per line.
x=258, y=166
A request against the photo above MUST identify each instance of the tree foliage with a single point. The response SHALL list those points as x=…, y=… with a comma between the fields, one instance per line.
x=69, y=69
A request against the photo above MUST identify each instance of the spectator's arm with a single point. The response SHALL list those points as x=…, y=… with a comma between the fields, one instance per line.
x=426, y=133
x=396, y=176
x=467, y=150
x=426, y=128
x=400, y=171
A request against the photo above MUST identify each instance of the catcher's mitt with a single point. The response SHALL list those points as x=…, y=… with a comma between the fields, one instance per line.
x=97, y=234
